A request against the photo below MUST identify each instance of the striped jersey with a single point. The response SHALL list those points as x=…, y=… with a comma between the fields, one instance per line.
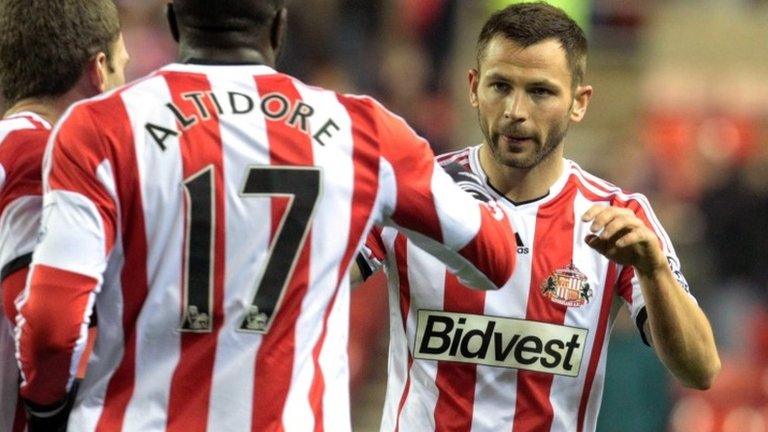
x=22, y=143
x=209, y=214
x=529, y=357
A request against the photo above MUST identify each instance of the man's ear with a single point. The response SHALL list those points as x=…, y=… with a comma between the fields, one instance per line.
x=170, y=14
x=474, y=82
x=279, y=27
x=581, y=98
x=96, y=71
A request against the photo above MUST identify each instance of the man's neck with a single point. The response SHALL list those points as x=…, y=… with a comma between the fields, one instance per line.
x=51, y=109
x=521, y=185
x=242, y=55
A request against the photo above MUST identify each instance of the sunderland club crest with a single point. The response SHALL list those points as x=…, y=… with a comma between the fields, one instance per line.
x=567, y=286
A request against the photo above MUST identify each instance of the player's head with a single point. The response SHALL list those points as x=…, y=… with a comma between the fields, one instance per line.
x=47, y=48
x=223, y=30
x=528, y=84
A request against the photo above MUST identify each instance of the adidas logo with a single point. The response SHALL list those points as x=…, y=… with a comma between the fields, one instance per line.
x=521, y=248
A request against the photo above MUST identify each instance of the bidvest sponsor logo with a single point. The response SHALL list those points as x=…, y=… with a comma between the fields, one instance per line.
x=501, y=342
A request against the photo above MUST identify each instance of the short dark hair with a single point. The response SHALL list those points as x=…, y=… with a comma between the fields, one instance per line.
x=203, y=18
x=45, y=45
x=529, y=23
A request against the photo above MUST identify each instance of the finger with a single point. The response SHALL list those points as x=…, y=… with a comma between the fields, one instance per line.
x=592, y=212
x=631, y=238
x=597, y=243
x=617, y=225
x=601, y=219
x=608, y=215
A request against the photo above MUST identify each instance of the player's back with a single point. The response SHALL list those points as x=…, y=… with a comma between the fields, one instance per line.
x=236, y=187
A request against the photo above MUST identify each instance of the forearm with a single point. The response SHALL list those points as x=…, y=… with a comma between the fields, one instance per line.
x=679, y=330
x=52, y=333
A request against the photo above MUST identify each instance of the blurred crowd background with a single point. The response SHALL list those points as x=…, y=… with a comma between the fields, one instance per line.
x=680, y=113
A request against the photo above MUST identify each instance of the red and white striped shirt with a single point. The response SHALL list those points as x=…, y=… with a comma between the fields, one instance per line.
x=529, y=357
x=22, y=143
x=210, y=213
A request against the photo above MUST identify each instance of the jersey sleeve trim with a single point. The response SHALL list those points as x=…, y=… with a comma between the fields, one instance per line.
x=15, y=265
x=365, y=270
x=640, y=320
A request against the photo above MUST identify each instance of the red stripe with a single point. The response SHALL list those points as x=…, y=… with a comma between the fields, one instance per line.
x=553, y=250
x=133, y=277
x=486, y=250
x=201, y=147
x=597, y=346
x=22, y=158
x=456, y=381
x=365, y=158
x=401, y=258
x=624, y=285
x=275, y=358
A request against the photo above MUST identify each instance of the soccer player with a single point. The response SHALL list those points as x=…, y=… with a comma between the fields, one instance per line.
x=210, y=212
x=531, y=356
x=51, y=55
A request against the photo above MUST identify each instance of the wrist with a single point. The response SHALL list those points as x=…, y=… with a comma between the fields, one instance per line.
x=654, y=267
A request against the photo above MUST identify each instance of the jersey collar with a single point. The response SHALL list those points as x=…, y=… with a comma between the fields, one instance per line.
x=254, y=69
x=554, y=190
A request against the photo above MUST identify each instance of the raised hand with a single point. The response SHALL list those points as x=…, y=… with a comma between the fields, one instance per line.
x=619, y=235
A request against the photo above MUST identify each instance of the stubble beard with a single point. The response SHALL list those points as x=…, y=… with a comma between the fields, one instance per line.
x=541, y=150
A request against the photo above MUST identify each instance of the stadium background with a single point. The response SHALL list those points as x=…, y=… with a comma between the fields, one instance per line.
x=680, y=112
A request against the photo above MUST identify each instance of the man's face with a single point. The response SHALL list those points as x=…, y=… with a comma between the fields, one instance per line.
x=115, y=72
x=524, y=100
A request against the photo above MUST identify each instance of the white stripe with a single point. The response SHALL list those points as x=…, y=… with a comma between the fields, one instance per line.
x=427, y=281
x=160, y=176
x=596, y=393
x=496, y=388
x=244, y=144
x=13, y=124
x=19, y=226
x=398, y=372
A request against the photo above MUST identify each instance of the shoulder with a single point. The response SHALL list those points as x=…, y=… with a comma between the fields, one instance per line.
x=597, y=189
x=459, y=157
x=22, y=143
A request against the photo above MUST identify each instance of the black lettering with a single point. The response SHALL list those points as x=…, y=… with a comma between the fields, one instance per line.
x=186, y=122
x=244, y=97
x=485, y=341
x=572, y=345
x=160, y=134
x=457, y=339
x=553, y=353
x=430, y=332
x=266, y=105
x=325, y=131
x=523, y=347
x=301, y=112
x=503, y=353
x=197, y=98
x=216, y=102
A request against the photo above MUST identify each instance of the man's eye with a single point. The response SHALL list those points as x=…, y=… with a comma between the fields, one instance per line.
x=542, y=91
x=500, y=86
